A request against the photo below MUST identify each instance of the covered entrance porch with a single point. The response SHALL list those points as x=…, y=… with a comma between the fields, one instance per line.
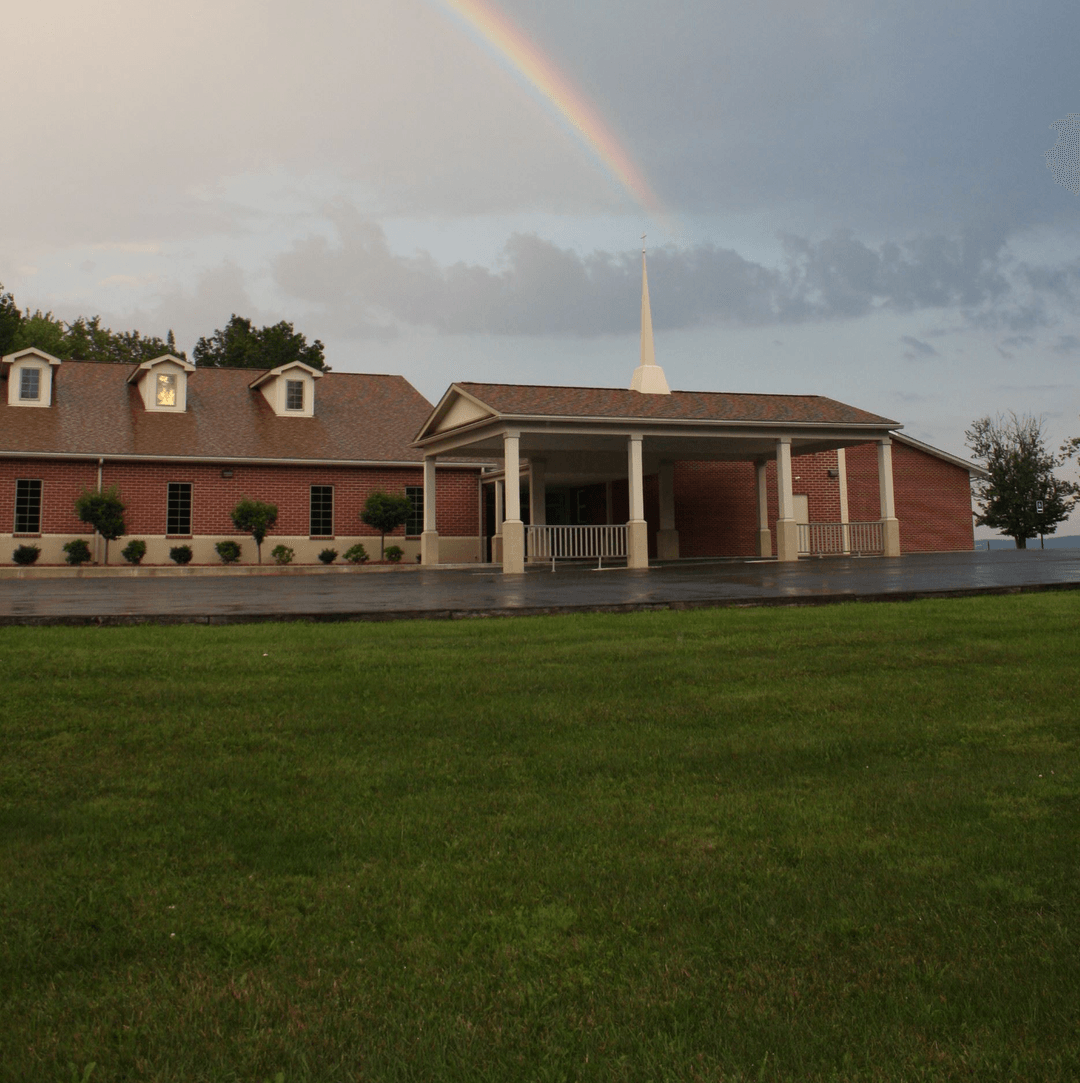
x=577, y=459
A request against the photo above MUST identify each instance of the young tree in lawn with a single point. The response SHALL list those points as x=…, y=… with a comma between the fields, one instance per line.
x=255, y=518
x=104, y=511
x=1021, y=478
x=385, y=512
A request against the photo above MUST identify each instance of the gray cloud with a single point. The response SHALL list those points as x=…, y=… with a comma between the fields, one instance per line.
x=918, y=348
x=538, y=288
x=1066, y=344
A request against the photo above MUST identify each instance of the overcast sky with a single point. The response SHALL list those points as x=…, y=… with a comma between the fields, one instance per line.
x=858, y=193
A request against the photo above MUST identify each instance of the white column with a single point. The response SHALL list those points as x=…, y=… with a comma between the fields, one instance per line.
x=637, y=532
x=513, y=545
x=890, y=524
x=429, y=540
x=787, y=532
x=667, y=537
x=538, y=492
x=496, y=540
x=845, y=517
x=764, y=534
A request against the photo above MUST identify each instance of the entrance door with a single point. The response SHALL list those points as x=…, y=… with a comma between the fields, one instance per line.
x=802, y=508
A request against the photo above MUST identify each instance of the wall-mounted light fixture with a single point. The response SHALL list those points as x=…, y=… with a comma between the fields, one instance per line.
x=834, y=473
x=226, y=473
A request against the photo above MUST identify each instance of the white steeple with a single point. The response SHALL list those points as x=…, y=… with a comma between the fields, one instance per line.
x=648, y=377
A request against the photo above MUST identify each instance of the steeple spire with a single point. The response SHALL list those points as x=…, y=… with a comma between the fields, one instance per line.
x=648, y=377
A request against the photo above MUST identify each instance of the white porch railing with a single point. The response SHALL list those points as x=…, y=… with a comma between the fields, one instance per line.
x=835, y=539
x=575, y=543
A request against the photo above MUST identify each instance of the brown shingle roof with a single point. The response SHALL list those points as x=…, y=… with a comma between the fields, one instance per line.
x=609, y=402
x=358, y=418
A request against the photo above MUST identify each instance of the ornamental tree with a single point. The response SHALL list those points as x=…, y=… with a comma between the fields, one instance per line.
x=1021, y=478
x=104, y=511
x=255, y=518
x=385, y=512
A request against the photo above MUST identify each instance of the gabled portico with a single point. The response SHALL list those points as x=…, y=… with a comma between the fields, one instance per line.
x=579, y=436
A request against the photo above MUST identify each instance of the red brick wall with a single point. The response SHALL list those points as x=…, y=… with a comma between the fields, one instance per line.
x=716, y=503
x=144, y=487
x=933, y=497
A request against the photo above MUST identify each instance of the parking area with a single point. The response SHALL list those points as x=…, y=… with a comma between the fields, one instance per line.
x=481, y=591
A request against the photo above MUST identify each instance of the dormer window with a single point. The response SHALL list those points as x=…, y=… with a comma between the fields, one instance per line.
x=29, y=377
x=289, y=389
x=30, y=384
x=166, y=389
x=162, y=384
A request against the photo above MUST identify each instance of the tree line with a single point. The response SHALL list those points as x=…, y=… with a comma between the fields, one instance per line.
x=239, y=344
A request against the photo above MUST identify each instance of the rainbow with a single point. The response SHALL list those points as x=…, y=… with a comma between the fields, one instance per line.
x=523, y=57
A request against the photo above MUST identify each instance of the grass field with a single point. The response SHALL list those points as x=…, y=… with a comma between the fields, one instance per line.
x=806, y=844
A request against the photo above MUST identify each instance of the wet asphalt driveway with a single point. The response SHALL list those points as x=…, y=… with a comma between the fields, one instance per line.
x=483, y=591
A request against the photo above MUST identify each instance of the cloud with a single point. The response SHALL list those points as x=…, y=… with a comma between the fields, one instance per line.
x=537, y=288
x=918, y=348
x=1066, y=344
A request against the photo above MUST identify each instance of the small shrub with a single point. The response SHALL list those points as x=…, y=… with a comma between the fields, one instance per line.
x=78, y=552
x=134, y=551
x=26, y=554
x=394, y=553
x=229, y=551
x=180, y=554
x=328, y=556
x=282, y=554
x=357, y=554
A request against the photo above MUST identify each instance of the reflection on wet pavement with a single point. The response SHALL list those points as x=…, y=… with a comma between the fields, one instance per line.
x=439, y=591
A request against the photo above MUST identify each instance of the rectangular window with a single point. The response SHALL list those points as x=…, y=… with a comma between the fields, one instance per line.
x=166, y=389
x=27, y=505
x=30, y=385
x=322, y=510
x=294, y=394
x=415, y=523
x=178, y=517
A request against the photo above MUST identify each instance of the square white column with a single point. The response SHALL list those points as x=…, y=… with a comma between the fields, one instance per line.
x=637, y=532
x=761, y=472
x=845, y=516
x=787, y=531
x=890, y=524
x=513, y=543
x=667, y=537
x=429, y=539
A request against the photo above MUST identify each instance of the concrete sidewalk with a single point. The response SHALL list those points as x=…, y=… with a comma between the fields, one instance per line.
x=481, y=591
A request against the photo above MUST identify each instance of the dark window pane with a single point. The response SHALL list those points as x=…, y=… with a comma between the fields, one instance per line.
x=30, y=385
x=27, y=505
x=415, y=523
x=322, y=510
x=178, y=516
x=294, y=394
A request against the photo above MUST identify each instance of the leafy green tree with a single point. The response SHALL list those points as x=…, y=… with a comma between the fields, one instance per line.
x=43, y=331
x=1021, y=477
x=10, y=318
x=239, y=344
x=87, y=340
x=385, y=512
x=255, y=518
x=104, y=511
x=83, y=339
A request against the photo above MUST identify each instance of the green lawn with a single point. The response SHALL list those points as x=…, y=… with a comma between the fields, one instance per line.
x=805, y=844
